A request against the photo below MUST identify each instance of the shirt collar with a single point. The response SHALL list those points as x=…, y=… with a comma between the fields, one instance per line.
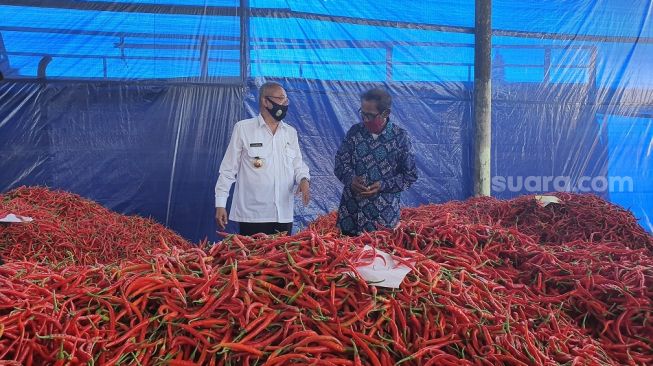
x=261, y=122
x=386, y=134
x=388, y=131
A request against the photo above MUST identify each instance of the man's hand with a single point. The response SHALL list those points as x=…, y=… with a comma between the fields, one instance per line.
x=221, y=217
x=304, y=191
x=372, y=190
x=357, y=185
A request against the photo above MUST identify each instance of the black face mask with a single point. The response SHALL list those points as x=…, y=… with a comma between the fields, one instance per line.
x=278, y=111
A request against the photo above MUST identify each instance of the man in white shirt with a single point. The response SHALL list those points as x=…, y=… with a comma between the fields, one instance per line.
x=264, y=159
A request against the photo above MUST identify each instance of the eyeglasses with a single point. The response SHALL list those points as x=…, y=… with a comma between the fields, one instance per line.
x=282, y=100
x=367, y=116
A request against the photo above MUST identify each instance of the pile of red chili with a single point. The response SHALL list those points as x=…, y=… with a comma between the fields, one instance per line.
x=68, y=229
x=490, y=284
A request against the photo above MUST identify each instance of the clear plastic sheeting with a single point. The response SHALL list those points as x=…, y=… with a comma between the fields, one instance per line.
x=131, y=103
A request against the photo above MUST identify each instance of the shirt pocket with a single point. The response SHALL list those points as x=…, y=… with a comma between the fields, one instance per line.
x=289, y=157
x=258, y=157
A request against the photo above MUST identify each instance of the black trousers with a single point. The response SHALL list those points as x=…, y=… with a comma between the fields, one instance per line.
x=251, y=228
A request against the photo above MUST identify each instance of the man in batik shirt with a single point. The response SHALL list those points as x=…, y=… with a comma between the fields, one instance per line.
x=375, y=163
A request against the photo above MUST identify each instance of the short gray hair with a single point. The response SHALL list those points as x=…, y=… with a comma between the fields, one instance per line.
x=265, y=88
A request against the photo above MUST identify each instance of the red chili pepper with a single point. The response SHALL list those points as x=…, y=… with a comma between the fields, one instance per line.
x=485, y=287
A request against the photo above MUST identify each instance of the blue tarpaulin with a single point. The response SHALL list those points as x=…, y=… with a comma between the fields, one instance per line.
x=131, y=103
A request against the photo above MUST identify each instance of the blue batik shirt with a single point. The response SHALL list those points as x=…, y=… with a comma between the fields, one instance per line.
x=388, y=159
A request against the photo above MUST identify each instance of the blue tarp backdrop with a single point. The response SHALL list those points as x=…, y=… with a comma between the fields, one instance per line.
x=131, y=103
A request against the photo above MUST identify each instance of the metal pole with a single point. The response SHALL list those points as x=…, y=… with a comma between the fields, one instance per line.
x=483, y=97
x=388, y=64
x=244, y=41
x=547, y=65
x=204, y=57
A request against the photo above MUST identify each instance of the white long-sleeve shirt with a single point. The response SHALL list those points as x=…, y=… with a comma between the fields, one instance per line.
x=263, y=194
